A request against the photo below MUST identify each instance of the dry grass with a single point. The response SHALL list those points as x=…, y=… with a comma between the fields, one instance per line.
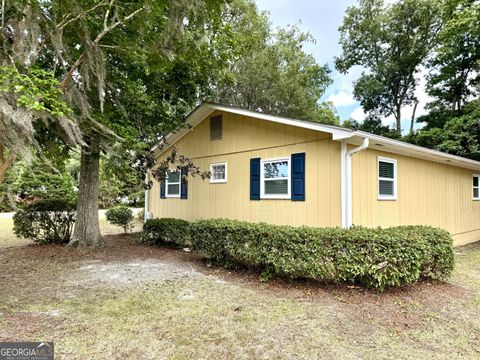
x=221, y=314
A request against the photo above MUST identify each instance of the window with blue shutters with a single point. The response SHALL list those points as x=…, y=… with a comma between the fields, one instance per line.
x=275, y=179
x=387, y=179
x=298, y=177
x=173, y=183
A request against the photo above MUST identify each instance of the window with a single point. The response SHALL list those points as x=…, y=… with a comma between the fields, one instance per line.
x=275, y=179
x=216, y=128
x=218, y=172
x=476, y=187
x=172, y=184
x=387, y=179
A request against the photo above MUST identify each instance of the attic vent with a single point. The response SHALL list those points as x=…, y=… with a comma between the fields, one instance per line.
x=216, y=128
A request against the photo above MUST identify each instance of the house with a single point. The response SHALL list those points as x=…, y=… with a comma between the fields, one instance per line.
x=277, y=170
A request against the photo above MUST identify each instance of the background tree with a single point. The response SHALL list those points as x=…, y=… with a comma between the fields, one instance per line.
x=270, y=71
x=455, y=66
x=453, y=122
x=390, y=42
x=372, y=124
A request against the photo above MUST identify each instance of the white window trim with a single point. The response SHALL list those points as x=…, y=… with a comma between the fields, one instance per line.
x=476, y=187
x=262, y=180
x=395, y=177
x=173, y=183
x=215, y=181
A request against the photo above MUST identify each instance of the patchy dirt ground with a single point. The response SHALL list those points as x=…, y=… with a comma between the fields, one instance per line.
x=134, y=301
x=134, y=273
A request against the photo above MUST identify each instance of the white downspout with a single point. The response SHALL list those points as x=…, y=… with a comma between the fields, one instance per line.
x=146, y=214
x=347, y=214
x=343, y=174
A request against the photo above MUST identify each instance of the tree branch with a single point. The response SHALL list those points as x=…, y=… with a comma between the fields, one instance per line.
x=64, y=84
x=67, y=21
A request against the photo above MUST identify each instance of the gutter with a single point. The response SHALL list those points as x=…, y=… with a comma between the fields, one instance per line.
x=346, y=179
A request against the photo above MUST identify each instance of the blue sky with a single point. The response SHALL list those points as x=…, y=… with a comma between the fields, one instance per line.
x=322, y=18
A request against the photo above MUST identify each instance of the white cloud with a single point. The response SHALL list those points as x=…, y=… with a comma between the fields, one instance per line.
x=341, y=98
x=358, y=114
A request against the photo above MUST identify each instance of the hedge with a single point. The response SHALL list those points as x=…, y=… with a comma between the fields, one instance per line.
x=166, y=231
x=370, y=257
x=45, y=221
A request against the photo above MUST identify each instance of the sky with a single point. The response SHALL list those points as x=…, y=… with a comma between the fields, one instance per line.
x=322, y=18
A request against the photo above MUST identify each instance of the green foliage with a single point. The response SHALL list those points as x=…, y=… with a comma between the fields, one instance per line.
x=166, y=231
x=44, y=181
x=390, y=42
x=455, y=66
x=460, y=135
x=377, y=258
x=45, y=221
x=119, y=180
x=270, y=70
x=372, y=124
x=37, y=90
x=121, y=216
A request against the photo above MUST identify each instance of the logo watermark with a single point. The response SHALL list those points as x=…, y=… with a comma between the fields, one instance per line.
x=27, y=350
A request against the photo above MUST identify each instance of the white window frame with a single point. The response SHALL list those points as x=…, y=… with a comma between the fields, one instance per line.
x=217, y=181
x=173, y=183
x=262, y=179
x=394, y=180
x=476, y=187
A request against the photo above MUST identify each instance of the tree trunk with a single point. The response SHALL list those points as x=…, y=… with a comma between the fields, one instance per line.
x=5, y=163
x=87, y=227
x=398, y=118
x=412, y=121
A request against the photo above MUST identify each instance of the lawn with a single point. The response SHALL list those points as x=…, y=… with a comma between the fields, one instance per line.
x=135, y=301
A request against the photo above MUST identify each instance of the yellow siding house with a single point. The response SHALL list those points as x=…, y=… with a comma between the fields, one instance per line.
x=283, y=171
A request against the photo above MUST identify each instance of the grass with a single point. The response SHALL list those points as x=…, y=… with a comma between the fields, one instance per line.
x=221, y=314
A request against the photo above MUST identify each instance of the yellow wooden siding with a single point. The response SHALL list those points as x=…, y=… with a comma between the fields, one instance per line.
x=427, y=193
x=245, y=138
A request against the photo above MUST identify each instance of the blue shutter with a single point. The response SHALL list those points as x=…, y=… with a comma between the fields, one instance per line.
x=298, y=177
x=183, y=184
x=255, y=179
x=162, y=189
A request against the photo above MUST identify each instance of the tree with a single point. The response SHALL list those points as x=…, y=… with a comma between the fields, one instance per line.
x=460, y=135
x=270, y=71
x=102, y=51
x=390, y=42
x=373, y=125
x=455, y=66
x=45, y=181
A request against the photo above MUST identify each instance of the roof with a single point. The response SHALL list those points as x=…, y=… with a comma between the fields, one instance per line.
x=353, y=137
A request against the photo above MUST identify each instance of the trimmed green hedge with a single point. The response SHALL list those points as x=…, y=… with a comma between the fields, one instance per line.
x=377, y=258
x=166, y=231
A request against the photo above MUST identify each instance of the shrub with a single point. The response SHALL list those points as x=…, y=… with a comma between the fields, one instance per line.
x=120, y=215
x=376, y=258
x=166, y=231
x=45, y=221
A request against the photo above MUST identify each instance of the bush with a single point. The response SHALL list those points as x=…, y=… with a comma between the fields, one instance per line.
x=166, y=231
x=376, y=258
x=45, y=221
x=120, y=215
